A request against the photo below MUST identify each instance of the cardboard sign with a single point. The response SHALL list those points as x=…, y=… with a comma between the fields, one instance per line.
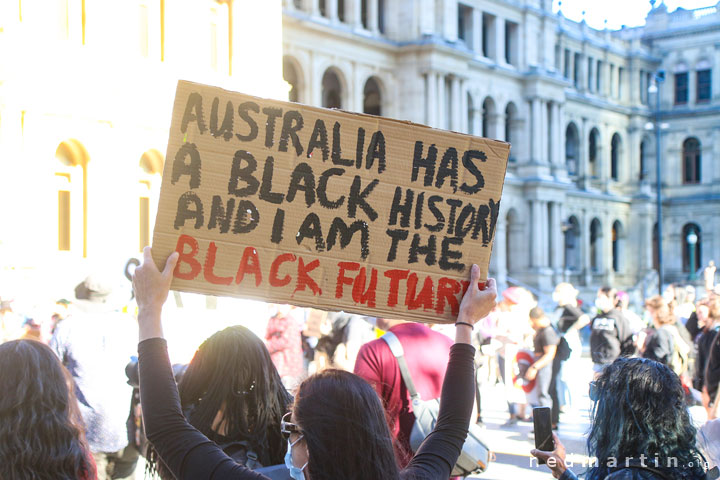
x=321, y=208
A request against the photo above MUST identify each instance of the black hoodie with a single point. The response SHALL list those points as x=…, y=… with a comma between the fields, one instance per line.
x=610, y=337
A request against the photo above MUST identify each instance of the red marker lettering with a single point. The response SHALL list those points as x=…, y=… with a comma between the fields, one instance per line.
x=250, y=263
x=274, y=280
x=188, y=258
x=304, y=278
x=210, y=276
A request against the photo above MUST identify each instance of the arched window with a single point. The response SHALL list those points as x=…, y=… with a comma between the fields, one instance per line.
x=372, y=98
x=488, y=115
x=593, y=153
x=615, y=146
x=571, y=230
x=691, y=160
x=72, y=206
x=332, y=93
x=571, y=149
x=510, y=123
x=692, y=247
x=595, y=245
x=151, y=166
x=293, y=78
x=618, y=240
x=644, y=160
x=341, y=10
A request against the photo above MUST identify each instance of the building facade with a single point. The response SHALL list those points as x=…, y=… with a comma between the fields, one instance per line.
x=86, y=95
x=577, y=105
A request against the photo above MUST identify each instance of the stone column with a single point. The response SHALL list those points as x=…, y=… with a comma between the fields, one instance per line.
x=441, y=111
x=499, y=121
x=583, y=160
x=545, y=233
x=463, y=108
x=431, y=85
x=332, y=9
x=477, y=119
x=607, y=260
x=544, y=132
x=455, y=104
x=692, y=86
x=500, y=251
x=557, y=241
x=500, y=40
x=585, y=248
x=536, y=115
x=372, y=16
x=353, y=11
x=538, y=248
x=560, y=137
x=571, y=66
x=315, y=7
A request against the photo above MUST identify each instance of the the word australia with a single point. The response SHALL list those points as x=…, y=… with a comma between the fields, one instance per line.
x=333, y=187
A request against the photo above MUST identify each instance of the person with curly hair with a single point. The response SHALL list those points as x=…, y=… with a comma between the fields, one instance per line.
x=640, y=429
x=41, y=430
x=232, y=393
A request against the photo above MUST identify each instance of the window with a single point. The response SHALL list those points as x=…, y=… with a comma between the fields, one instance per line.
x=576, y=70
x=372, y=99
x=598, y=76
x=64, y=216
x=621, y=74
x=617, y=246
x=692, y=251
x=595, y=245
x=612, y=81
x=465, y=25
x=681, y=88
x=488, y=35
x=341, y=10
x=331, y=90
x=511, y=42
x=566, y=65
x=572, y=145
x=704, y=88
x=364, y=13
x=593, y=152
x=691, y=160
x=590, y=78
x=323, y=8
x=615, y=157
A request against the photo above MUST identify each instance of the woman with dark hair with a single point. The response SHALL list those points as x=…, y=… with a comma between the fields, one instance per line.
x=41, y=432
x=337, y=428
x=641, y=428
x=232, y=393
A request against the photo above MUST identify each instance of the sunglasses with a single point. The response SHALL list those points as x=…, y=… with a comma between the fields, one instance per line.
x=286, y=428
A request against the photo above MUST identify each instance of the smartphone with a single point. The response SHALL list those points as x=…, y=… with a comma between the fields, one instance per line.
x=543, y=430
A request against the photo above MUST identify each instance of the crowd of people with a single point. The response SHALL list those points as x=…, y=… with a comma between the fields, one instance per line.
x=318, y=395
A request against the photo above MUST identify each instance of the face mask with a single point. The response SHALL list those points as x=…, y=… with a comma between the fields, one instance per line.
x=295, y=472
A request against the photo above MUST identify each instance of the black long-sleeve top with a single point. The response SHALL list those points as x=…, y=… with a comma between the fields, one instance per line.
x=190, y=455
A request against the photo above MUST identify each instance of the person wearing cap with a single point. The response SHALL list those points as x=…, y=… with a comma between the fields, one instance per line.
x=95, y=343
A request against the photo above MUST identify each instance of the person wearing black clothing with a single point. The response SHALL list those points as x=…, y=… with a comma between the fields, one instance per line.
x=660, y=346
x=330, y=408
x=712, y=367
x=545, y=344
x=705, y=340
x=611, y=335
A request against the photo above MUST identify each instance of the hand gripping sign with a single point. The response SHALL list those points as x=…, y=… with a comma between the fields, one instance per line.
x=321, y=208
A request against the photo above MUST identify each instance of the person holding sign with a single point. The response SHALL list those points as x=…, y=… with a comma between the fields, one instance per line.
x=337, y=428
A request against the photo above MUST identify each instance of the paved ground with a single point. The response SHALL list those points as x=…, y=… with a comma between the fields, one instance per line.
x=512, y=444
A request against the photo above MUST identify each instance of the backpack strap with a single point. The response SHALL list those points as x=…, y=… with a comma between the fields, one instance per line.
x=397, y=350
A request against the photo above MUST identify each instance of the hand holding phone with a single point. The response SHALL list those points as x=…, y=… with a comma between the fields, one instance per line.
x=543, y=430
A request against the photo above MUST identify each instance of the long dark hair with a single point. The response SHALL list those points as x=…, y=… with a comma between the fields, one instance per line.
x=344, y=425
x=641, y=410
x=232, y=372
x=41, y=432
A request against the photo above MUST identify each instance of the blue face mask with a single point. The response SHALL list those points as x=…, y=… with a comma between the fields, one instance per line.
x=295, y=472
